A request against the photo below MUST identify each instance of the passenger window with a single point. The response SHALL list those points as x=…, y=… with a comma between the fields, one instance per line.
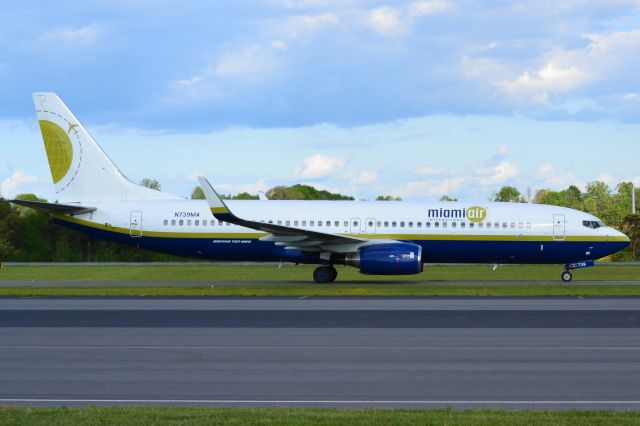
x=504, y=224
x=213, y=222
x=472, y=224
x=419, y=224
x=463, y=224
x=528, y=224
x=336, y=223
x=520, y=225
x=304, y=223
x=496, y=225
x=328, y=223
x=480, y=225
x=370, y=223
x=453, y=224
x=427, y=225
x=386, y=224
x=410, y=224
x=189, y=222
x=204, y=223
x=279, y=222
x=513, y=224
x=165, y=222
x=444, y=224
x=181, y=222
x=346, y=223
x=173, y=222
x=401, y=224
x=378, y=224
x=287, y=223
x=271, y=222
x=436, y=224
x=319, y=224
x=488, y=225
x=355, y=223
x=393, y=224
x=312, y=223
x=295, y=223
x=197, y=222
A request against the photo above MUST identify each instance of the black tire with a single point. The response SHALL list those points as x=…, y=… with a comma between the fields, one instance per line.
x=566, y=276
x=324, y=274
x=334, y=273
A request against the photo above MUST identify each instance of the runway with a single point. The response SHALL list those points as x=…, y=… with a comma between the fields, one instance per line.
x=548, y=353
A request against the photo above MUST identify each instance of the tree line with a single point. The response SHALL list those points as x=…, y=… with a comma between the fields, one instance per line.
x=29, y=236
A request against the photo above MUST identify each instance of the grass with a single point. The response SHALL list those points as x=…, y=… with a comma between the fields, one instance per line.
x=302, y=416
x=303, y=273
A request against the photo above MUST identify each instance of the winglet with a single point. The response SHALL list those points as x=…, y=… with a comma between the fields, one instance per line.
x=218, y=207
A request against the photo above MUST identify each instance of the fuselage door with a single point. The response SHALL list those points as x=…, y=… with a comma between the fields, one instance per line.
x=355, y=225
x=370, y=225
x=558, y=227
x=135, y=224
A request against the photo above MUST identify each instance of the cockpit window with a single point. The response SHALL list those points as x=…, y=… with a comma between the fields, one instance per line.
x=593, y=224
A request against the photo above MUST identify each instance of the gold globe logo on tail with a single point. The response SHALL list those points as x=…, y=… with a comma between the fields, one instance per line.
x=476, y=214
x=58, y=147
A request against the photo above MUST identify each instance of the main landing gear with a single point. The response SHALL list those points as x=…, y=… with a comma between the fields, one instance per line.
x=325, y=274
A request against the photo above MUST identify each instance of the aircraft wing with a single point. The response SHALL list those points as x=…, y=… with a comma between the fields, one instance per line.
x=291, y=238
x=71, y=209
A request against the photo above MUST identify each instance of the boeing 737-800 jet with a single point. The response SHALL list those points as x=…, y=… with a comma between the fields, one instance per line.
x=385, y=238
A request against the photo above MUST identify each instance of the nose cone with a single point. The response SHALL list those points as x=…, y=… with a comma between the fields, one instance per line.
x=621, y=239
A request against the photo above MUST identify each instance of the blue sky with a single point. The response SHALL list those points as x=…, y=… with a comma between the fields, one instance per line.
x=418, y=99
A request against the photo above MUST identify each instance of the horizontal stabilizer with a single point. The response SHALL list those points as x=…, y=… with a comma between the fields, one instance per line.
x=71, y=209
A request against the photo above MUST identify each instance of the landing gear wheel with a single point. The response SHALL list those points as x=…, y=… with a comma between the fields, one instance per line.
x=324, y=274
x=566, y=276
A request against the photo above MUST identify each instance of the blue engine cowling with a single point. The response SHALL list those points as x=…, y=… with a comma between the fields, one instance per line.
x=388, y=259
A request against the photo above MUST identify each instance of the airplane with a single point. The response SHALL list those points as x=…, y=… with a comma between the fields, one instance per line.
x=378, y=238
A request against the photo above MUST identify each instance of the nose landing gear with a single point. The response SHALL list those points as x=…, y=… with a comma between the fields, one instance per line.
x=325, y=274
x=566, y=276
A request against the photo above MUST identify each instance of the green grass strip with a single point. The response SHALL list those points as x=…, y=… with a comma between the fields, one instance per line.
x=327, y=290
x=303, y=273
x=302, y=416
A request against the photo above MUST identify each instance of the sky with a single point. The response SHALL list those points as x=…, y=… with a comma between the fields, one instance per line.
x=416, y=99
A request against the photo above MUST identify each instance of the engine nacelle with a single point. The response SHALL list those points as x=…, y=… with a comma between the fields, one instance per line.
x=387, y=259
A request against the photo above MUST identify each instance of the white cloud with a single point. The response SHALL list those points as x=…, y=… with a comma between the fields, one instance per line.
x=84, y=35
x=319, y=165
x=9, y=185
x=428, y=171
x=630, y=97
x=386, y=21
x=497, y=174
x=248, y=61
x=502, y=150
x=193, y=176
x=301, y=25
x=279, y=45
x=428, y=7
x=251, y=188
x=431, y=187
x=549, y=79
x=606, y=178
x=555, y=179
x=363, y=178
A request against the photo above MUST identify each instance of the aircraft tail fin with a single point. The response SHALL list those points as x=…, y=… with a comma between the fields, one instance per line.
x=80, y=169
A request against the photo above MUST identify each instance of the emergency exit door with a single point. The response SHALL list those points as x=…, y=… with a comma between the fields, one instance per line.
x=558, y=227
